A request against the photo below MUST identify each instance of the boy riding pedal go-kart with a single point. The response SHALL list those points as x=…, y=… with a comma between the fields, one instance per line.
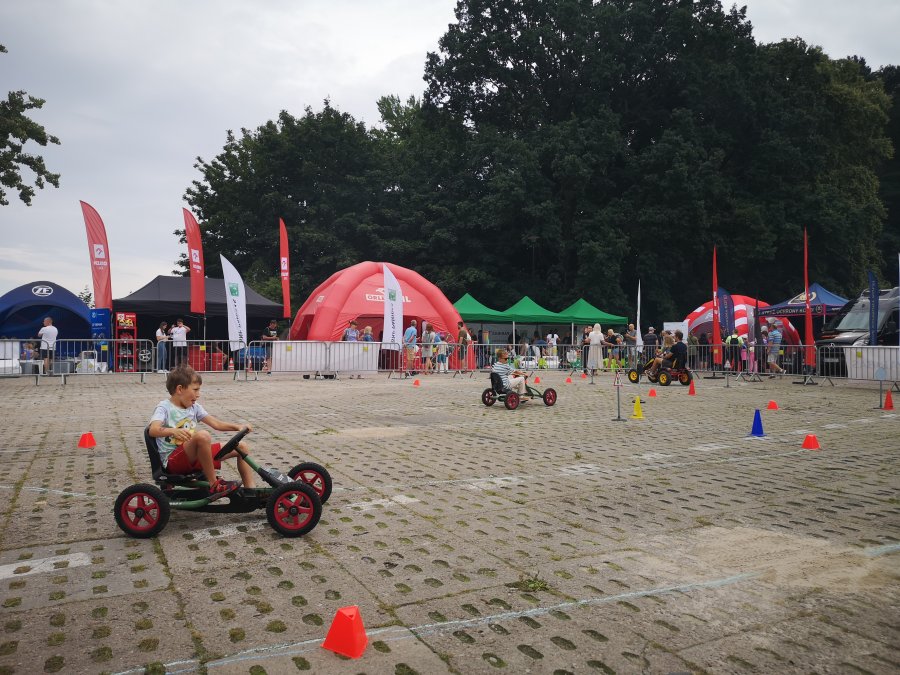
x=184, y=462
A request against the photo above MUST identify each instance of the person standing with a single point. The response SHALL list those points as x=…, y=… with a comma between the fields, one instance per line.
x=585, y=348
x=428, y=347
x=462, y=339
x=552, y=339
x=179, y=342
x=409, y=343
x=775, y=338
x=351, y=333
x=48, y=335
x=630, y=341
x=651, y=342
x=162, y=338
x=270, y=335
x=693, y=346
x=596, y=341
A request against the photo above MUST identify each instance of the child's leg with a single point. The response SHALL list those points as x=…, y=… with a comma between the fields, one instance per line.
x=199, y=450
x=248, y=475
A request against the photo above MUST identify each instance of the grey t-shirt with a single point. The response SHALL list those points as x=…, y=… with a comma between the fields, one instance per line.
x=174, y=417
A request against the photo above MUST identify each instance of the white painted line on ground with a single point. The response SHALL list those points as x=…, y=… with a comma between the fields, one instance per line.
x=375, y=503
x=44, y=565
x=835, y=426
x=48, y=491
x=208, y=533
x=881, y=550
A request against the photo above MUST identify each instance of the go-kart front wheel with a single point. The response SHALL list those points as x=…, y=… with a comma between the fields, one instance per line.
x=685, y=378
x=665, y=378
x=293, y=509
x=512, y=401
x=549, y=397
x=488, y=397
x=634, y=376
x=142, y=511
x=314, y=475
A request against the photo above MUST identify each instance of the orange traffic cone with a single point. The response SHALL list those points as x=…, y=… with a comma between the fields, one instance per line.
x=811, y=442
x=537, y=380
x=652, y=393
x=87, y=441
x=692, y=391
x=347, y=636
x=583, y=375
x=230, y=365
x=568, y=380
x=772, y=406
x=416, y=383
x=888, y=401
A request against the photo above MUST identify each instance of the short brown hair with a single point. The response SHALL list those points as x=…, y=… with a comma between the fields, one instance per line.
x=182, y=375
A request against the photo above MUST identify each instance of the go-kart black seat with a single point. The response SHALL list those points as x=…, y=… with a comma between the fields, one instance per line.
x=159, y=471
x=497, y=384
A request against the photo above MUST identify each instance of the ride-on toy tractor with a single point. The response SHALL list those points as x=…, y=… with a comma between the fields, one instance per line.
x=293, y=502
x=664, y=375
x=496, y=392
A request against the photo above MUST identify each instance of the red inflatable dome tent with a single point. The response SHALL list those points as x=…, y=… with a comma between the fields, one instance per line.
x=357, y=292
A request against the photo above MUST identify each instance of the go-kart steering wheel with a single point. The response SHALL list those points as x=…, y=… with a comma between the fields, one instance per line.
x=232, y=444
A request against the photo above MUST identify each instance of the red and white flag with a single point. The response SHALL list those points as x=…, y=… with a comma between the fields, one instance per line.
x=285, y=270
x=808, y=338
x=99, y=250
x=716, y=327
x=195, y=261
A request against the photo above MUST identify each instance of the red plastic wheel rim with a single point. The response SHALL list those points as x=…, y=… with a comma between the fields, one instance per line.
x=314, y=479
x=140, y=512
x=293, y=510
x=550, y=397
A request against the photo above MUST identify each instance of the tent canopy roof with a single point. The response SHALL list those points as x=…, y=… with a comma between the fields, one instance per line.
x=471, y=310
x=527, y=310
x=821, y=301
x=172, y=295
x=581, y=311
x=22, y=311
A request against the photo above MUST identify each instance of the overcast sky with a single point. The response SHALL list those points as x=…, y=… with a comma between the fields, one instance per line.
x=137, y=89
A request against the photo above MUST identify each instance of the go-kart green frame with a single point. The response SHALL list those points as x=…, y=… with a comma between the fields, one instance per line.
x=511, y=399
x=293, y=502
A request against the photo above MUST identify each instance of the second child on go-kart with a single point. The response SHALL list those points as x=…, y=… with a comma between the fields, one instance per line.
x=674, y=353
x=183, y=448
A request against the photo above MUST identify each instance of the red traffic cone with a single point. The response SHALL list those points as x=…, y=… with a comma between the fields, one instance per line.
x=347, y=636
x=537, y=380
x=888, y=401
x=692, y=391
x=772, y=406
x=416, y=383
x=568, y=380
x=811, y=442
x=583, y=375
x=87, y=441
x=652, y=393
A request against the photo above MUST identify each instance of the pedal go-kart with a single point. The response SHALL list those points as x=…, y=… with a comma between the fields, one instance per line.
x=511, y=399
x=664, y=375
x=293, y=502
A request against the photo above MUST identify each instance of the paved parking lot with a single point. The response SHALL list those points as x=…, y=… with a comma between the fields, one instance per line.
x=473, y=539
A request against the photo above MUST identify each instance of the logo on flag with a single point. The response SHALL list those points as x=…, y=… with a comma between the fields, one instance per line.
x=99, y=251
x=195, y=255
x=392, y=295
x=234, y=290
x=284, y=264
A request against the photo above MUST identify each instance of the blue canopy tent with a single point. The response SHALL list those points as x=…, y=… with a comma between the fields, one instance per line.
x=22, y=312
x=821, y=303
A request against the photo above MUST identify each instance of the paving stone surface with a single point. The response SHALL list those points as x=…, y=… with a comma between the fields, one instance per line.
x=472, y=539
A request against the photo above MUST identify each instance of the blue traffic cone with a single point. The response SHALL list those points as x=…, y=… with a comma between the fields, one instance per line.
x=757, y=425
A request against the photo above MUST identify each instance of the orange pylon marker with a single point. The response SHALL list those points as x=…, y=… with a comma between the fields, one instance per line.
x=811, y=442
x=583, y=375
x=888, y=401
x=772, y=406
x=347, y=635
x=537, y=379
x=416, y=383
x=652, y=393
x=87, y=441
x=568, y=380
x=692, y=391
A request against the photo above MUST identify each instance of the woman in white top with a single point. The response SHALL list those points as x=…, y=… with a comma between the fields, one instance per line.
x=595, y=355
x=161, y=338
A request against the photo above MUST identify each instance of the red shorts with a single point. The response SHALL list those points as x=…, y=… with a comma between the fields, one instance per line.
x=178, y=461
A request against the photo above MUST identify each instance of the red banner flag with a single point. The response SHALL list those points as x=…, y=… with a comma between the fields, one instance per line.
x=808, y=338
x=285, y=270
x=99, y=250
x=717, y=331
x=195, y=261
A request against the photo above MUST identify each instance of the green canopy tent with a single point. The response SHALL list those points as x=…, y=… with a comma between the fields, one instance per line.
x=581, y=311
x=471, y=310
x=527, y=310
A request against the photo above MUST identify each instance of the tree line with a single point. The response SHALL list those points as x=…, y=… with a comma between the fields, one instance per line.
x=567, y=149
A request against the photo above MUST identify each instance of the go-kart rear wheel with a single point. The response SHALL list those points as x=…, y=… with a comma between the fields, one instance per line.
x=314, y=475
x=665, y=378
x=142, y=511
x=512, y=401
x=488, y=397
x=549, y=397
x=685, y=378
x=634, y=376
x=293, y=509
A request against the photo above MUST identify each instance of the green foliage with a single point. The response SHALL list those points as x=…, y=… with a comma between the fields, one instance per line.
x=567, y=149
x=16, y=129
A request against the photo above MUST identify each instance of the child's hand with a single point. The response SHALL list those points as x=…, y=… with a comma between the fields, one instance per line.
x=183, y=435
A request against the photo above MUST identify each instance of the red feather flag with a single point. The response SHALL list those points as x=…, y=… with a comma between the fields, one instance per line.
x=285, y=270
x=99, y=250
x=717, y=331
x=195, y=262
x=808, y=338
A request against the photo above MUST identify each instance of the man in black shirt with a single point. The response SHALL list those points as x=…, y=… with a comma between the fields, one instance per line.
x=674, y=357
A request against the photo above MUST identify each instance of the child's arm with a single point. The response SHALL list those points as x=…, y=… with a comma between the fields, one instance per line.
x=220, y=425
x=157, y=430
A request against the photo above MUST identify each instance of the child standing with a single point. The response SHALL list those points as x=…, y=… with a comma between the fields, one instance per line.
x=182, y=447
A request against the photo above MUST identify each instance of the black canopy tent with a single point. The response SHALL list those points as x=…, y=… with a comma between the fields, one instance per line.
x=167, y=298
